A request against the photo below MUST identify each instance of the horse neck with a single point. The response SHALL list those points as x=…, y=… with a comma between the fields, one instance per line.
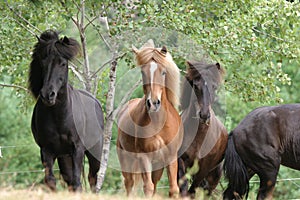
x=63, y=98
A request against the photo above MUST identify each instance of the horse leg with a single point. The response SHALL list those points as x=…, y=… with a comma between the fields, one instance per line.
x=77, y=161
x=145, y=166
x=156, y=175
x=47, y=161
x=181, y=179
x=148, y=184
x=213, y=178
x=128, y=182
x=197, y=181
x=65, y=168
x=267, y=184
x=172, y=169
x=94, y=166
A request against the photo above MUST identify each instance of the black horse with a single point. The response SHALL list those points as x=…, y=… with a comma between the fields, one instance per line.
x=66, y=123
x=264, y=139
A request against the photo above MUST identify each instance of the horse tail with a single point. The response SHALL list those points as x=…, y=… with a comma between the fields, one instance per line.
x=235, y=171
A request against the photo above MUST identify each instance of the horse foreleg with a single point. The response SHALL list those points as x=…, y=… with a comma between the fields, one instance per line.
x=128, y=182
x=213, y=178
x=156, y=175
x=47, y=161
x=172, y=176
x=148, y=184
x=66, y=170
x=77, y=161
x=181, y=179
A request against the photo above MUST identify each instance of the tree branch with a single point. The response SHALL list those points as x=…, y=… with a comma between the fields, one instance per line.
x=107, y=62
x=89, y=22
x=23, y=19
x=101, y=36
x=14, y=86
x=277, y=38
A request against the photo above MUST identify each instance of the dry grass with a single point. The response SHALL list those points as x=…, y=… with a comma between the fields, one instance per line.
x=41, y=194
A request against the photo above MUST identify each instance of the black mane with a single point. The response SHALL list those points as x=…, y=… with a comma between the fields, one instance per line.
x=211, y=73
x=49, y=44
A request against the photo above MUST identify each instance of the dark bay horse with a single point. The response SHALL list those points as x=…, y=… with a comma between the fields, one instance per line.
x=264, y=139
x=150, y=131
x=205, y=137
x=66, y=123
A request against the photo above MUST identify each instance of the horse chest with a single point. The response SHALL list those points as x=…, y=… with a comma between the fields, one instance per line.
x=53, y=134
x=149, y=144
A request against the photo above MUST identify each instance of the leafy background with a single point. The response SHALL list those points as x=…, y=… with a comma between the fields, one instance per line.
x=256, y=41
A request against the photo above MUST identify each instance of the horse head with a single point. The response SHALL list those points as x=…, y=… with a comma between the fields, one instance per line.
x=157, y=68
x=49, y=66
x=203, y=80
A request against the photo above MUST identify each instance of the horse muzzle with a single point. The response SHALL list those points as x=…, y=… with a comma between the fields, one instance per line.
x=204, y=118
x=48, y=98
x=153, y=106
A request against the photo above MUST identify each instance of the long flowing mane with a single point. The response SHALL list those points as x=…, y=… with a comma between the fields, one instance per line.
x=49, y=44
x=212, y=73
x=149, y=53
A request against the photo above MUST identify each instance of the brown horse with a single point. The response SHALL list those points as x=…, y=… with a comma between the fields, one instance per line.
x=150, y=131
x=267, y=137
x=205, y=137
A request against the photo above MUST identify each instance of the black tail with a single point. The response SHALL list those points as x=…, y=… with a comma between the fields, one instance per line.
x=235, y=172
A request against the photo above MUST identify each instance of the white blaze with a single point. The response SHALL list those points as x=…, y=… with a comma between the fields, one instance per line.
x=153, y=68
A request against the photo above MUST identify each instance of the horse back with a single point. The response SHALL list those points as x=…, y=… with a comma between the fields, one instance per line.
x=270, y=133
x=88, y=117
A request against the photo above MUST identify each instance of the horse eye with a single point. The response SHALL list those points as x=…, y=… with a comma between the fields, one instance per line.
x=163, y=73
x=64, y=64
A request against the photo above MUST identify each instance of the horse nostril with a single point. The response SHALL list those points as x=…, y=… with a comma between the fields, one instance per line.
x=52, y=94
x=148, y=103
x=208, y=115
x=157, y=102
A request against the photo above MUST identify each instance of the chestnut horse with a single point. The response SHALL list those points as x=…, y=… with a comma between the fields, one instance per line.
x=205, y=137
x=149, y=128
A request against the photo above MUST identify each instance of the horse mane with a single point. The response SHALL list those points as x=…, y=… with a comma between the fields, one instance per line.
x=148, y=53
x=211, y=73
x=49, y=44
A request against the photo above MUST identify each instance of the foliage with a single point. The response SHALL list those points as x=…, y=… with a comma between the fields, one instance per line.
x=256, y=41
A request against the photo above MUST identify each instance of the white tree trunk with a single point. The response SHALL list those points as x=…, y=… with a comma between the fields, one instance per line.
x=108, y=125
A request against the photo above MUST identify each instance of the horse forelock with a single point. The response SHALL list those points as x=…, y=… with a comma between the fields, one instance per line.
x=211, y=73
x=50, y=44
x=149, y=54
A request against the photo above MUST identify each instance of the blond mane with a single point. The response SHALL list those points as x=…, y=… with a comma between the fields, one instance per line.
x=148, y=53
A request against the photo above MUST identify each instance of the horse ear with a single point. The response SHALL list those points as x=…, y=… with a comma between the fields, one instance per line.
x=164, y=50
x=134, y=49
x=66, y=40
x=190, y=64
x=218, y=66
x=38, y=38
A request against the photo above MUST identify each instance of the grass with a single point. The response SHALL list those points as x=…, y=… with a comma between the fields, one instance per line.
x=42, y=194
